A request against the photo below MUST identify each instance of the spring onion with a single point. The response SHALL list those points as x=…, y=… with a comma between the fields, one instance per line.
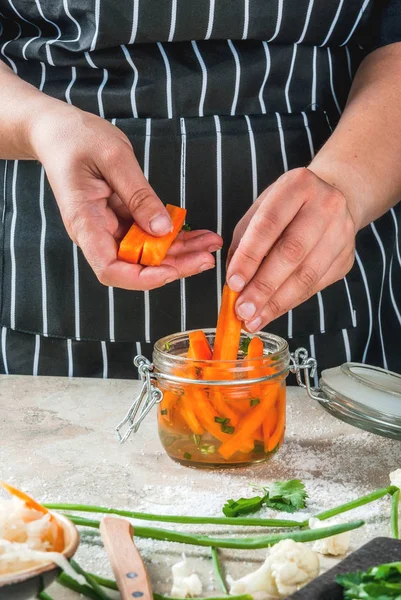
x=259, y=541
x=249, y=522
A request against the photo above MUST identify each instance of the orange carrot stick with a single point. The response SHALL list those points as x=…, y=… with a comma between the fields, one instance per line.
x=167, y=406
x=255, y=348
x=155, y=249
x=57, y=542
x=269, y=425
x=249, y=424
x=228, y=331
x=140, y=247
x=190, y=418
x=131, y=246
x=279, y=430
x=199, y=347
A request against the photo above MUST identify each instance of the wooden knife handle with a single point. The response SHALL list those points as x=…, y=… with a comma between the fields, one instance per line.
x=126, y=562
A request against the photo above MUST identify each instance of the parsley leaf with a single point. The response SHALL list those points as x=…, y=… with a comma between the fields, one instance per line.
x=243, y=506
x=186, y=227
x=382, y=582
x=288, y=496
x=245, y=345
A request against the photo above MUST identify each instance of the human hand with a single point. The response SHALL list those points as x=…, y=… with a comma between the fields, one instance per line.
x=100, y=188
x=298, y=238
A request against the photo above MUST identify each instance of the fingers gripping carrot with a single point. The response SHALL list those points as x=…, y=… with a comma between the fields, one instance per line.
x=140, y=247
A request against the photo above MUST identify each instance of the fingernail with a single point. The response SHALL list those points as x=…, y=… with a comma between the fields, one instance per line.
x=169, y=280
x=246, y=310
x=214, y=248
x=207, y=266
x=161, y=225
x=254, y=325
x=236, y=283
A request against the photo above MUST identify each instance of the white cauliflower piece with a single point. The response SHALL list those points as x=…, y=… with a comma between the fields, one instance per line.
x=289, y=566
x=259, y=581
x=395, y=478
x=336, y=545
x=186, y=584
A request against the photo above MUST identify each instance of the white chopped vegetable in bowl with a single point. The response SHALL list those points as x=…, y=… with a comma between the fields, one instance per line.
x=34, y=545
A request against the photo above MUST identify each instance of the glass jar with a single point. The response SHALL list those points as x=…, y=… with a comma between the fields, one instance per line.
x=221, y=413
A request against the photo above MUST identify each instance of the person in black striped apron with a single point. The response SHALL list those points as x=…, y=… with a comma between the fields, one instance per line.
x=224, y=105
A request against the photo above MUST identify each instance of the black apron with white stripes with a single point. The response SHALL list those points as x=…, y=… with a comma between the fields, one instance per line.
x=219, y=98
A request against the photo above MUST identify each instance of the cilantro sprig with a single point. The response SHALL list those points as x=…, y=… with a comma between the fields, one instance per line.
x=288, y=496
x=382, y=582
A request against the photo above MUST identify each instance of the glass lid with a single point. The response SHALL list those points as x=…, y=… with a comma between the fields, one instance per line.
x=364, y=396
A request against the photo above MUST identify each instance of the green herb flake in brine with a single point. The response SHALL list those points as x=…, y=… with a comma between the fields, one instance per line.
x=222, y=420
x=208, y=449
x=254, y=401
x=227, y=429
x=164, y=411
x=187, y=456
x=197, y=439
x=245, y=345
x=167, y=347
x=258, y=447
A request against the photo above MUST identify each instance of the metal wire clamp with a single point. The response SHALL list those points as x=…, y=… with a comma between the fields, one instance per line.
x=143, y=403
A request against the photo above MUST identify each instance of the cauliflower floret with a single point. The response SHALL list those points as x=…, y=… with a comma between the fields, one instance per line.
x=186, y=584
x=335, y=545
x=395, y=478
x=259, y=581
x=289, y=566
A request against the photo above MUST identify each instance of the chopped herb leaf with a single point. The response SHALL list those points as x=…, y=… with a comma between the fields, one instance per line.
x=258, y=446
x=208, y=449
x=164, y=411
x=254, y=401
x=167, y=347
x=187, y=455
x=186, y=227
x=222, y=420
x=243, y=506
x=288, y=496
x=244, y=345
x=197, y=439
x=227, y=429
x=382, y=582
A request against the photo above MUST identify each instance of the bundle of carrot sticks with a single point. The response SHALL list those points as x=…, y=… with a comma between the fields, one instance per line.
x=236, y=418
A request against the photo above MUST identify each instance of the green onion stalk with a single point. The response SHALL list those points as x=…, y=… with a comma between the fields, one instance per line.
x=395, y=501
x=218, y=570
x=249, y=543
x=111, y=585
x=248, y=521
x=72, y=584
x=90, y=581
x=342, y=508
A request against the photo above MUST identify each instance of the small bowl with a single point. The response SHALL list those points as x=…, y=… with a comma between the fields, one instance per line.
x=23, y=585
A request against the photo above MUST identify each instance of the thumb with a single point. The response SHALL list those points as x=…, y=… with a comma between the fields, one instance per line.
x=124, y=175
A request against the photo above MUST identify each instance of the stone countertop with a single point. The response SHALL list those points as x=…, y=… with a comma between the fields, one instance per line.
x=57, y=443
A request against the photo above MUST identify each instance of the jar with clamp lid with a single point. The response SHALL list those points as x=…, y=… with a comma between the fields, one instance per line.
x=215, y=414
